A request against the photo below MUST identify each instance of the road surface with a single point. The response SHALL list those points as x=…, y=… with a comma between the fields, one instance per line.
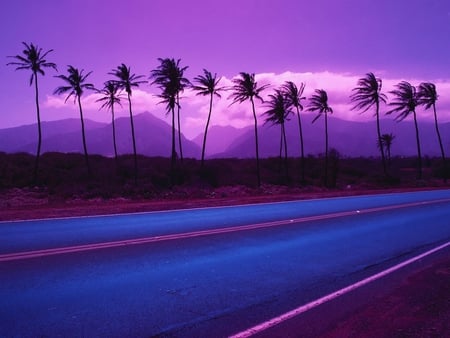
x=205, y=272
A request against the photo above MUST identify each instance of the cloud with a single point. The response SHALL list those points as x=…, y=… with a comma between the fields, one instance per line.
x=195, y=108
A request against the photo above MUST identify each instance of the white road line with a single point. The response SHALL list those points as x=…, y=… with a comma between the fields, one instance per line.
x=293, y=313
x=95, y=246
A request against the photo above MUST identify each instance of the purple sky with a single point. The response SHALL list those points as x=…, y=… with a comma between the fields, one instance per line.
x=327, y=44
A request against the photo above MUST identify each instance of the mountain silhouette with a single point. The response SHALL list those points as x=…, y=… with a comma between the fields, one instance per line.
x=153, y=138
x=220, y=138
x=350, y=138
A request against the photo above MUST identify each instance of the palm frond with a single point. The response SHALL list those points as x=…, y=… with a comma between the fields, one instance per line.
x=427, y=95
x=245, y=88
x=76, y=81
x=33, y=58
x=404, y=102
x=125, y=79
x=207, y=84
x=169, y=77
x=294, y=94
x=279, y=108
x=318, y=102
x=111, y=95
x=367, y=93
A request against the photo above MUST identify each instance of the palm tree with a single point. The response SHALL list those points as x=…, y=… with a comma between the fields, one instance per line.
x=427, y=97
x=405, y=103
x=33, y=58
x=246, y=88
x=76, y=84
x=279, y=110
x=110, y=97
x=207, y=85
x=126, y=81
x=366, y=95
x=319, y=103
x=385, y=142
x=169, y=77
x=294, y=96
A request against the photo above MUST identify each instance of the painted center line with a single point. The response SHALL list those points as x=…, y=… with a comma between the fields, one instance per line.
x=96, y=246
x=293, y=313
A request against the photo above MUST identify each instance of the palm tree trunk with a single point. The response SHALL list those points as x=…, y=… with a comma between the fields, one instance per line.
x=114, y=132
x=206, y=128
x=134, y=139
x=83, y=134
x=179, y=128
x=281, y=145
x=258, y=174
x=436, y=125
x=285, y=152
x=383, y=158
x=326, y=149
x=38, y=151
x=302, y=152
x=419, y=154
x=174, y=152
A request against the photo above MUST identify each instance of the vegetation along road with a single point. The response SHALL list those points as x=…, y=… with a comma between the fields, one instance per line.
x=204, y=272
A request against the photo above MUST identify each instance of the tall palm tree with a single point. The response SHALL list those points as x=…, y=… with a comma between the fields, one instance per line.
x=169, y=77
x=33, y=58
x=127, y=81
x=76, y=85
x=427, y=97
x=405, y=103
x=318, y=102
x=207, y=85
x=294, y=96
x=111, y=96
x=246, y=88
x=366, y=95
x=278, y=113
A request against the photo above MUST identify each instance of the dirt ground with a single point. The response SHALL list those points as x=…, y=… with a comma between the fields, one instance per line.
x=420, y=307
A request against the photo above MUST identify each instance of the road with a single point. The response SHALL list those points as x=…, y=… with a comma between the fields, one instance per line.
x=205, y=272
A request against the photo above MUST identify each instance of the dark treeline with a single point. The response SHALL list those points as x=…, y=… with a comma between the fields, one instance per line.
x=169, y=78
x=63, y=176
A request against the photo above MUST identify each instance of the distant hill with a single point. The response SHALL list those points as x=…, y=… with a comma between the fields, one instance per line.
x=219, y=138
x=350, y=138
x=25, y=137
x=153, y=137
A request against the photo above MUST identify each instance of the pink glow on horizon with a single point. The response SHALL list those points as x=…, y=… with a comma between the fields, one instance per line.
x=195, y=108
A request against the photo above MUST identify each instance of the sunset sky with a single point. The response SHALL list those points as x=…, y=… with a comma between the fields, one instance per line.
x=326, y=44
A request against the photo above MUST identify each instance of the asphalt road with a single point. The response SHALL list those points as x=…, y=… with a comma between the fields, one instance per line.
x=231, y=268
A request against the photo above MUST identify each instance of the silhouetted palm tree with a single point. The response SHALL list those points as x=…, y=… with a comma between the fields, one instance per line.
x=294, y=96
x=127, y=81
x=279, y=110
x=405, y=103
x=33, y=58
x=111, y=96
x=427, y=97
x=169, y=77
x=207, y=85
x=318, y=102
x=246, y=88
x=76, y=84
x=385, y=142
x=366, y=95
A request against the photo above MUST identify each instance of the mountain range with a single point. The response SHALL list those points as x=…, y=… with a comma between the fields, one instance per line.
x=153, y=138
